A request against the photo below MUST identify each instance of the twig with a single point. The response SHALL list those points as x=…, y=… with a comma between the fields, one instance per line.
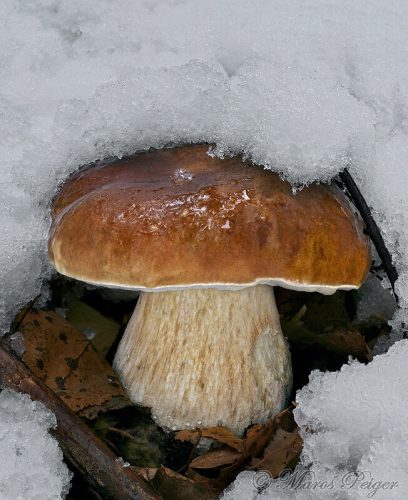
x=82, y=448
x=122, y=433
x=26, y=310
x=372, y=229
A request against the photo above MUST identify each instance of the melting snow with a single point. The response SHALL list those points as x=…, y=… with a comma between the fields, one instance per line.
x=181, y=174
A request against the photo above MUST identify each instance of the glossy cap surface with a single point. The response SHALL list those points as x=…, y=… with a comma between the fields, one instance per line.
x=178, y=217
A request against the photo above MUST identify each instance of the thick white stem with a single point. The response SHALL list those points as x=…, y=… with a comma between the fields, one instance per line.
x=206, y=357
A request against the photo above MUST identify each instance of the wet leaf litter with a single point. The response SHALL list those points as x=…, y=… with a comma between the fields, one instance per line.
x=322, y=331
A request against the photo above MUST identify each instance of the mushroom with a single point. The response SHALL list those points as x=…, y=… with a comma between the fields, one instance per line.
x=204, y=240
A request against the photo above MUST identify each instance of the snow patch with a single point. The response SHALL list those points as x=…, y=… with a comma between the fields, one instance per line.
x=31, y=463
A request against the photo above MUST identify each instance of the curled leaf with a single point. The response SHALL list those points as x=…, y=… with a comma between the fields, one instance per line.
x=284, y=449
x=220, y=434
x=274, y=446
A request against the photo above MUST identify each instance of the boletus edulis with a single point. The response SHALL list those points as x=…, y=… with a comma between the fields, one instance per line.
x=205, y=240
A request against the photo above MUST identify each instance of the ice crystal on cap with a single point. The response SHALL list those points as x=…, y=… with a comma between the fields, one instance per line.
x=31, y=463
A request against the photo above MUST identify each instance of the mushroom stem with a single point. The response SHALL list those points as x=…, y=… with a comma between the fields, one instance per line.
x=206, y=357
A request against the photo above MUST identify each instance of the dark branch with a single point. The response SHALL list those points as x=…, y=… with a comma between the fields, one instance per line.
x=372, y=229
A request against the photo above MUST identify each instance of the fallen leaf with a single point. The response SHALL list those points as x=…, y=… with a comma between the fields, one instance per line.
x=220, y=434
x=99, y=329
x=215, y=459
x=315, y=320
x=218, y=467
x=174, y=486
x=258, y=436
x=341, y=340
x=284, y=450
x=66, y=361
x=348, y=342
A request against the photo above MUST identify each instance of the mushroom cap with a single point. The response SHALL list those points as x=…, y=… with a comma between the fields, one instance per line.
x=178, y=218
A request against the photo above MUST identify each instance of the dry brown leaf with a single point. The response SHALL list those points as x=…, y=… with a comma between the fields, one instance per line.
x=258, y=436
x=322, y=321
x=276, y=444
x=215, y=459
x=220, y=434
x=173, y=486
x=284, y=450
x=348, y=341
x=64, y=359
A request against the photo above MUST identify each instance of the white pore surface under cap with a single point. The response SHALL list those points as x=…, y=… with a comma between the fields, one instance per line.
x=293, y=285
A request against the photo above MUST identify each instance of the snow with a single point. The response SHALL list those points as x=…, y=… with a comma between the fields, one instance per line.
x=31, y=463
x=352, y=422
x=303, y=87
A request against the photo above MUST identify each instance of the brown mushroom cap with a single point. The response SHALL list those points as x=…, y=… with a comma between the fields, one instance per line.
x=177, y=218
